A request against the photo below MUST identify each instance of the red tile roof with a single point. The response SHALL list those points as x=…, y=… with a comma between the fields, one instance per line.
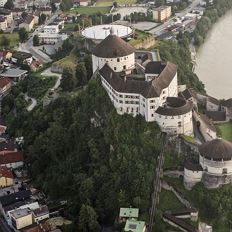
x=11, y=157
x=6, y=172
x=4, y=81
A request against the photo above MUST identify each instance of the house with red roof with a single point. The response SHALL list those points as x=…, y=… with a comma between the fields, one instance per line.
x=6, y=177
x=12, y=159
x=5, y=85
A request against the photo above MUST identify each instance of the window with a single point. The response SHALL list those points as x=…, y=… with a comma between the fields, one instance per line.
x=152, y=115
x=115, y=68
x=120, y=95
x=224, y=171
x=124, y=66
x=118, y=59
x=120, y=101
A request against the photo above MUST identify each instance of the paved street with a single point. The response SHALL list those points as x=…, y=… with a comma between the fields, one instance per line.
x=28, y=46
x=161, y=27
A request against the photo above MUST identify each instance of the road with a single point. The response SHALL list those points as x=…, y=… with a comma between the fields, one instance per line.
x=33, y=102
x=28, y=46
x=164, y=25
x=3, y=226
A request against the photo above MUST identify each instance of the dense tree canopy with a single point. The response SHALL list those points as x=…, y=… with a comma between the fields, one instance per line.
x=91, y=156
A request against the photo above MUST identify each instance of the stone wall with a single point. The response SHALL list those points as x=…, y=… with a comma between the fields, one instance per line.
x=146, y=43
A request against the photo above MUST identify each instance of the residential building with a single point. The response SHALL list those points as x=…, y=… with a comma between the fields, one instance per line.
x=5, y=86
x=2, y=3
x=12, y=159
x=14, y=198
x=49, y=38
x=5, y=55
x=21, y=218
x=15, y=74
x=8, y=14
x=17, y=206
x=40, y=213
x=46, y=10
x=3, y=23
x=135, y=226
x=128, y=213
x=28, y=23
x=162, y=13
x=8, y=146
x=52, y=29
x=82, y=2
x=6, y=177
x=22, y=57
x=212, y=104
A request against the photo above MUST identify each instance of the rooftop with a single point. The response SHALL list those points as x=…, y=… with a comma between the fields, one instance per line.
x=4, y=81
x=100, y=32
x=11, y=157
x=175, y=106
x=130, y=84
x=21, y=55
x=134, y=226
x=217, y=149
x=129, y=212
x=216, y=116
x=14, y=72
x=15, y=197
x=18, y=213
x=6, y=172
x=112, y=47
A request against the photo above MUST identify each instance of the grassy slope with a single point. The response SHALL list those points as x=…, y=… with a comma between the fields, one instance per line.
x=225, y=130
x=89, y=10
x=13, y=38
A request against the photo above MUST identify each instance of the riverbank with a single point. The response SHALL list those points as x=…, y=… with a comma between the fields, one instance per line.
x=214, y=59
x=209, y=71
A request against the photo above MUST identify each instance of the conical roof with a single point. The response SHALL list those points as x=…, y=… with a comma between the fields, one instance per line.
x=217, y=149
x=112, y=47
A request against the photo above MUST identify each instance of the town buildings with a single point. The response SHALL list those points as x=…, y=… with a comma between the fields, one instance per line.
x=161, y=13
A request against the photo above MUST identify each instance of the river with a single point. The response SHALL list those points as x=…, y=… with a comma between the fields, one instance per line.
x=214, y=59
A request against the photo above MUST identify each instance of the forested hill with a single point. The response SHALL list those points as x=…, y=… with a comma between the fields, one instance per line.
x=82, y=151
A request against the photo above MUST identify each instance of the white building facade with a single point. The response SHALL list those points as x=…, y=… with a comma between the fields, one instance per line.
x=141, y=92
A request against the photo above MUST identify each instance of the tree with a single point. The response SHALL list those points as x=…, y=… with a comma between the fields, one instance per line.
x=9, y=4
x=88, y=66
x=88, y=219
x=67, y=80
x=42, y=19
x=53, y=6
x=23, y=35
x=159, y=2
x=5, y=42
x=36, y=40
x=81, y=74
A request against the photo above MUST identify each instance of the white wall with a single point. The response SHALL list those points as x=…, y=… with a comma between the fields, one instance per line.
x=170, y=124
x=114, y=63
x=192, y=176
x=216, y=167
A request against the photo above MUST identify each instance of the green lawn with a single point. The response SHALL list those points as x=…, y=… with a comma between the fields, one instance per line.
x=89, y=10
x=13, y=38
x=69, y=27
x=225, y=130
x=138, y=37
x=120, y=2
